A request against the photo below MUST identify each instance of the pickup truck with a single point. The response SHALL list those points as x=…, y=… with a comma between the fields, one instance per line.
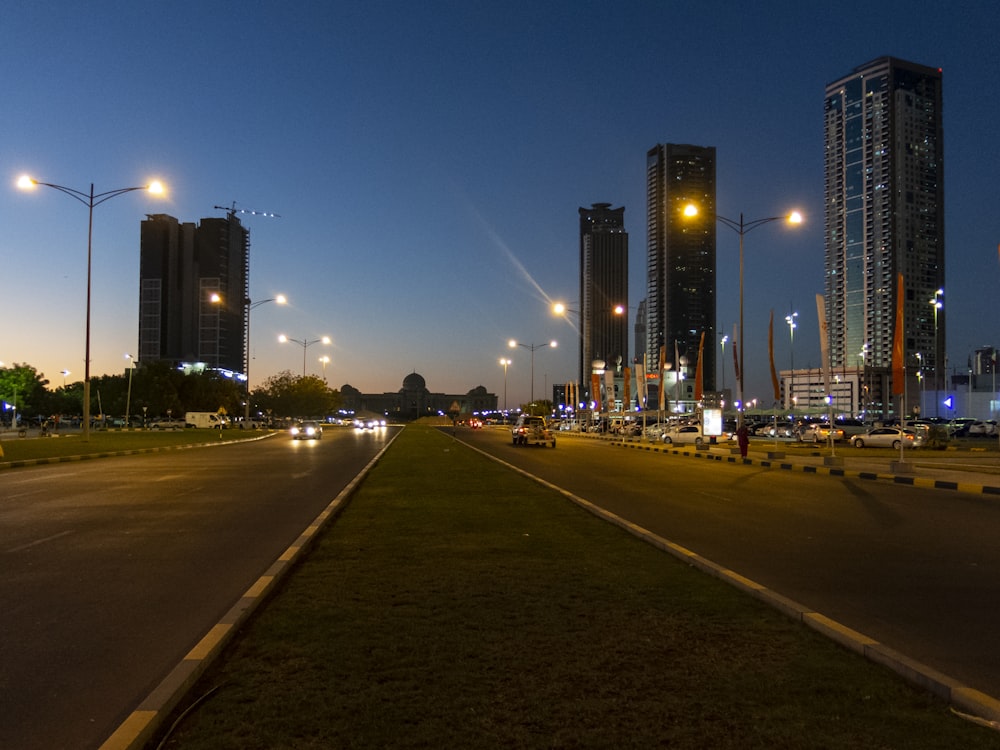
x=532, y=431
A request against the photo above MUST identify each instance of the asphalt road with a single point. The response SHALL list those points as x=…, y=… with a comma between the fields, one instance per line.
x=917, y=569
x=113, y=569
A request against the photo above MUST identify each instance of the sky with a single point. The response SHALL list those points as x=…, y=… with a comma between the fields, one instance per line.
x=427, y=161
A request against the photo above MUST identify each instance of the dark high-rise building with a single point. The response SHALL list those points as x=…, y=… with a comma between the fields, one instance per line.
x=193, y=283
x=680, y=256
x=603, y=289
x=885, y=216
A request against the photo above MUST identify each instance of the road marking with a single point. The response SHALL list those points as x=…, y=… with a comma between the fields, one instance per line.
x=35, y=543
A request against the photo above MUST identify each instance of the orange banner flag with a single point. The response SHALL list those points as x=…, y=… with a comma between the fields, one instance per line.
x=698, y=373
x=898, y=368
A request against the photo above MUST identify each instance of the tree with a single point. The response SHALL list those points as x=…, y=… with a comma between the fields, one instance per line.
x=288, y=395
x=22, y=387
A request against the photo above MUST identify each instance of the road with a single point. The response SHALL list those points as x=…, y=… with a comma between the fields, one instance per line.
x=917, y=569
x=113, y=569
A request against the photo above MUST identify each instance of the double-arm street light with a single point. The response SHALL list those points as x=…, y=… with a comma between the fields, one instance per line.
x=742, y=228
x=90, y=200
x=505, y=363
x=513, y=344
x=305, y=344
x=937, y=304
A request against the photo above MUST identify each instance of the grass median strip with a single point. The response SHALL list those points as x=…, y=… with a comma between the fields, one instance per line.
x=457, y=604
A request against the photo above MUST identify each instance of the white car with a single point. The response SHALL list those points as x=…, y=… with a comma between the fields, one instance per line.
x=688, y=434
x=819, y=432
x=886, y=437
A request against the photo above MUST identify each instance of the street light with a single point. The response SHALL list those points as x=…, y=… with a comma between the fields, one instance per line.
x=324, y=360
x=513, y=344
x=505, y=362
x=790, y=319
x=128, y=398
x=90, y=200
x=248, y=306
x=305, y=344
x=722, y=342
x=937, y=304
x=742, y=228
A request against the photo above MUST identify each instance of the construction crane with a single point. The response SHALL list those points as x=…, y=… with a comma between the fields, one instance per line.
x=233, y=210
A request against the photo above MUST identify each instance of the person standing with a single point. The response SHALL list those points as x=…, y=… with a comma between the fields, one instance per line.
x=743, y=439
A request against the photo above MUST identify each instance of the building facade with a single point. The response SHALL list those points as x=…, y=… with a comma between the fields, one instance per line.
x=603, y=289
x=413, y=401
x=193, y=285
x=680, y=258
x=884, y=203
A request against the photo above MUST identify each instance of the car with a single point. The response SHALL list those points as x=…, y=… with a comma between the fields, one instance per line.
x=532, y=431
x=687, y=434
x=959, y=427
x=307, y=430
x=886, y=437
x=819, y=432
x=779, y=429
x=986, y=428
x=167, y=424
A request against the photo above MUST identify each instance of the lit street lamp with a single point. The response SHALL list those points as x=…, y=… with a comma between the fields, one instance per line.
x=722, y=342
x=937, y=304
x=305, y=344
x=505, y=362
x=742, y=227
x=324, y=360
x=790, y=319
x=513, y=344
x=90, y=200
x=128, y=398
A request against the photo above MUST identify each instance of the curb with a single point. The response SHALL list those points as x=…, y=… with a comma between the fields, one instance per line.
x=834, y=471
x=984, y=708
x=147, y=718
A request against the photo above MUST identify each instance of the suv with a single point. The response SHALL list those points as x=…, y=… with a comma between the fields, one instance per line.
x=532, y=431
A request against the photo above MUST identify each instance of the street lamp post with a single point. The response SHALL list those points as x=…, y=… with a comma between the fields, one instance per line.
x=128, y=397
x=742, y=228
x=90, y=200
x=505, y=362
x=305, y=344
x=790, y=319
x=248, y=306
x=722, y=343
x=532, y=347
x=937, y=304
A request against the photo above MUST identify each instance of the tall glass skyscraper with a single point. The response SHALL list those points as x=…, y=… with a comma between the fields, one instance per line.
x=884, y=217
x=680, y=256
x=603, y=287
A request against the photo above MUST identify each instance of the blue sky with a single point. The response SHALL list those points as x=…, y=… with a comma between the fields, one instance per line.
x=427, y=161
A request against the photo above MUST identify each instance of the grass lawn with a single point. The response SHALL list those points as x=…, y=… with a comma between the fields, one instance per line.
x=455, y=604
x=71, y=443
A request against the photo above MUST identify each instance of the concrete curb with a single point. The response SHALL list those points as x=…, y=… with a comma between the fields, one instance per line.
x=834, y=471
x=984, y=708
x=140, y=726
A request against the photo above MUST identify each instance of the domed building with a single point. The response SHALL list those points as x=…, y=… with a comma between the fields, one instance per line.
x=413, y=401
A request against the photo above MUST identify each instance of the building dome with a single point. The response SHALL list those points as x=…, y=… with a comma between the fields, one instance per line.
x=414, y=382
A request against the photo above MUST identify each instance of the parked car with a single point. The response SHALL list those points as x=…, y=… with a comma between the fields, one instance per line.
x=688, y=434
x=820, y=432
x=781, y=429
x=307, y=430
x=167, y=424
x=985, y=428
x=959, y=427
x=887, y=437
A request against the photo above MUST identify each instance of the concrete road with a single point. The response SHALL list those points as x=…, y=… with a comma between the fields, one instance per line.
x=113, y=569
x=917, y=569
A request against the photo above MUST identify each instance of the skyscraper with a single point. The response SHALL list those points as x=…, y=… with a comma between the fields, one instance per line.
x=680, y=256
x=193, y=291
x=885, y=216
x=603, y=288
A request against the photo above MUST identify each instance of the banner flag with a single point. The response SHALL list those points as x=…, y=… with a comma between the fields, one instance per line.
x=824, y=342
x=595, y=391
x=770, y=353
x=898, y=365
x=627, y=390
x=698, y=374
x=609, y=389
x=640, y=384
